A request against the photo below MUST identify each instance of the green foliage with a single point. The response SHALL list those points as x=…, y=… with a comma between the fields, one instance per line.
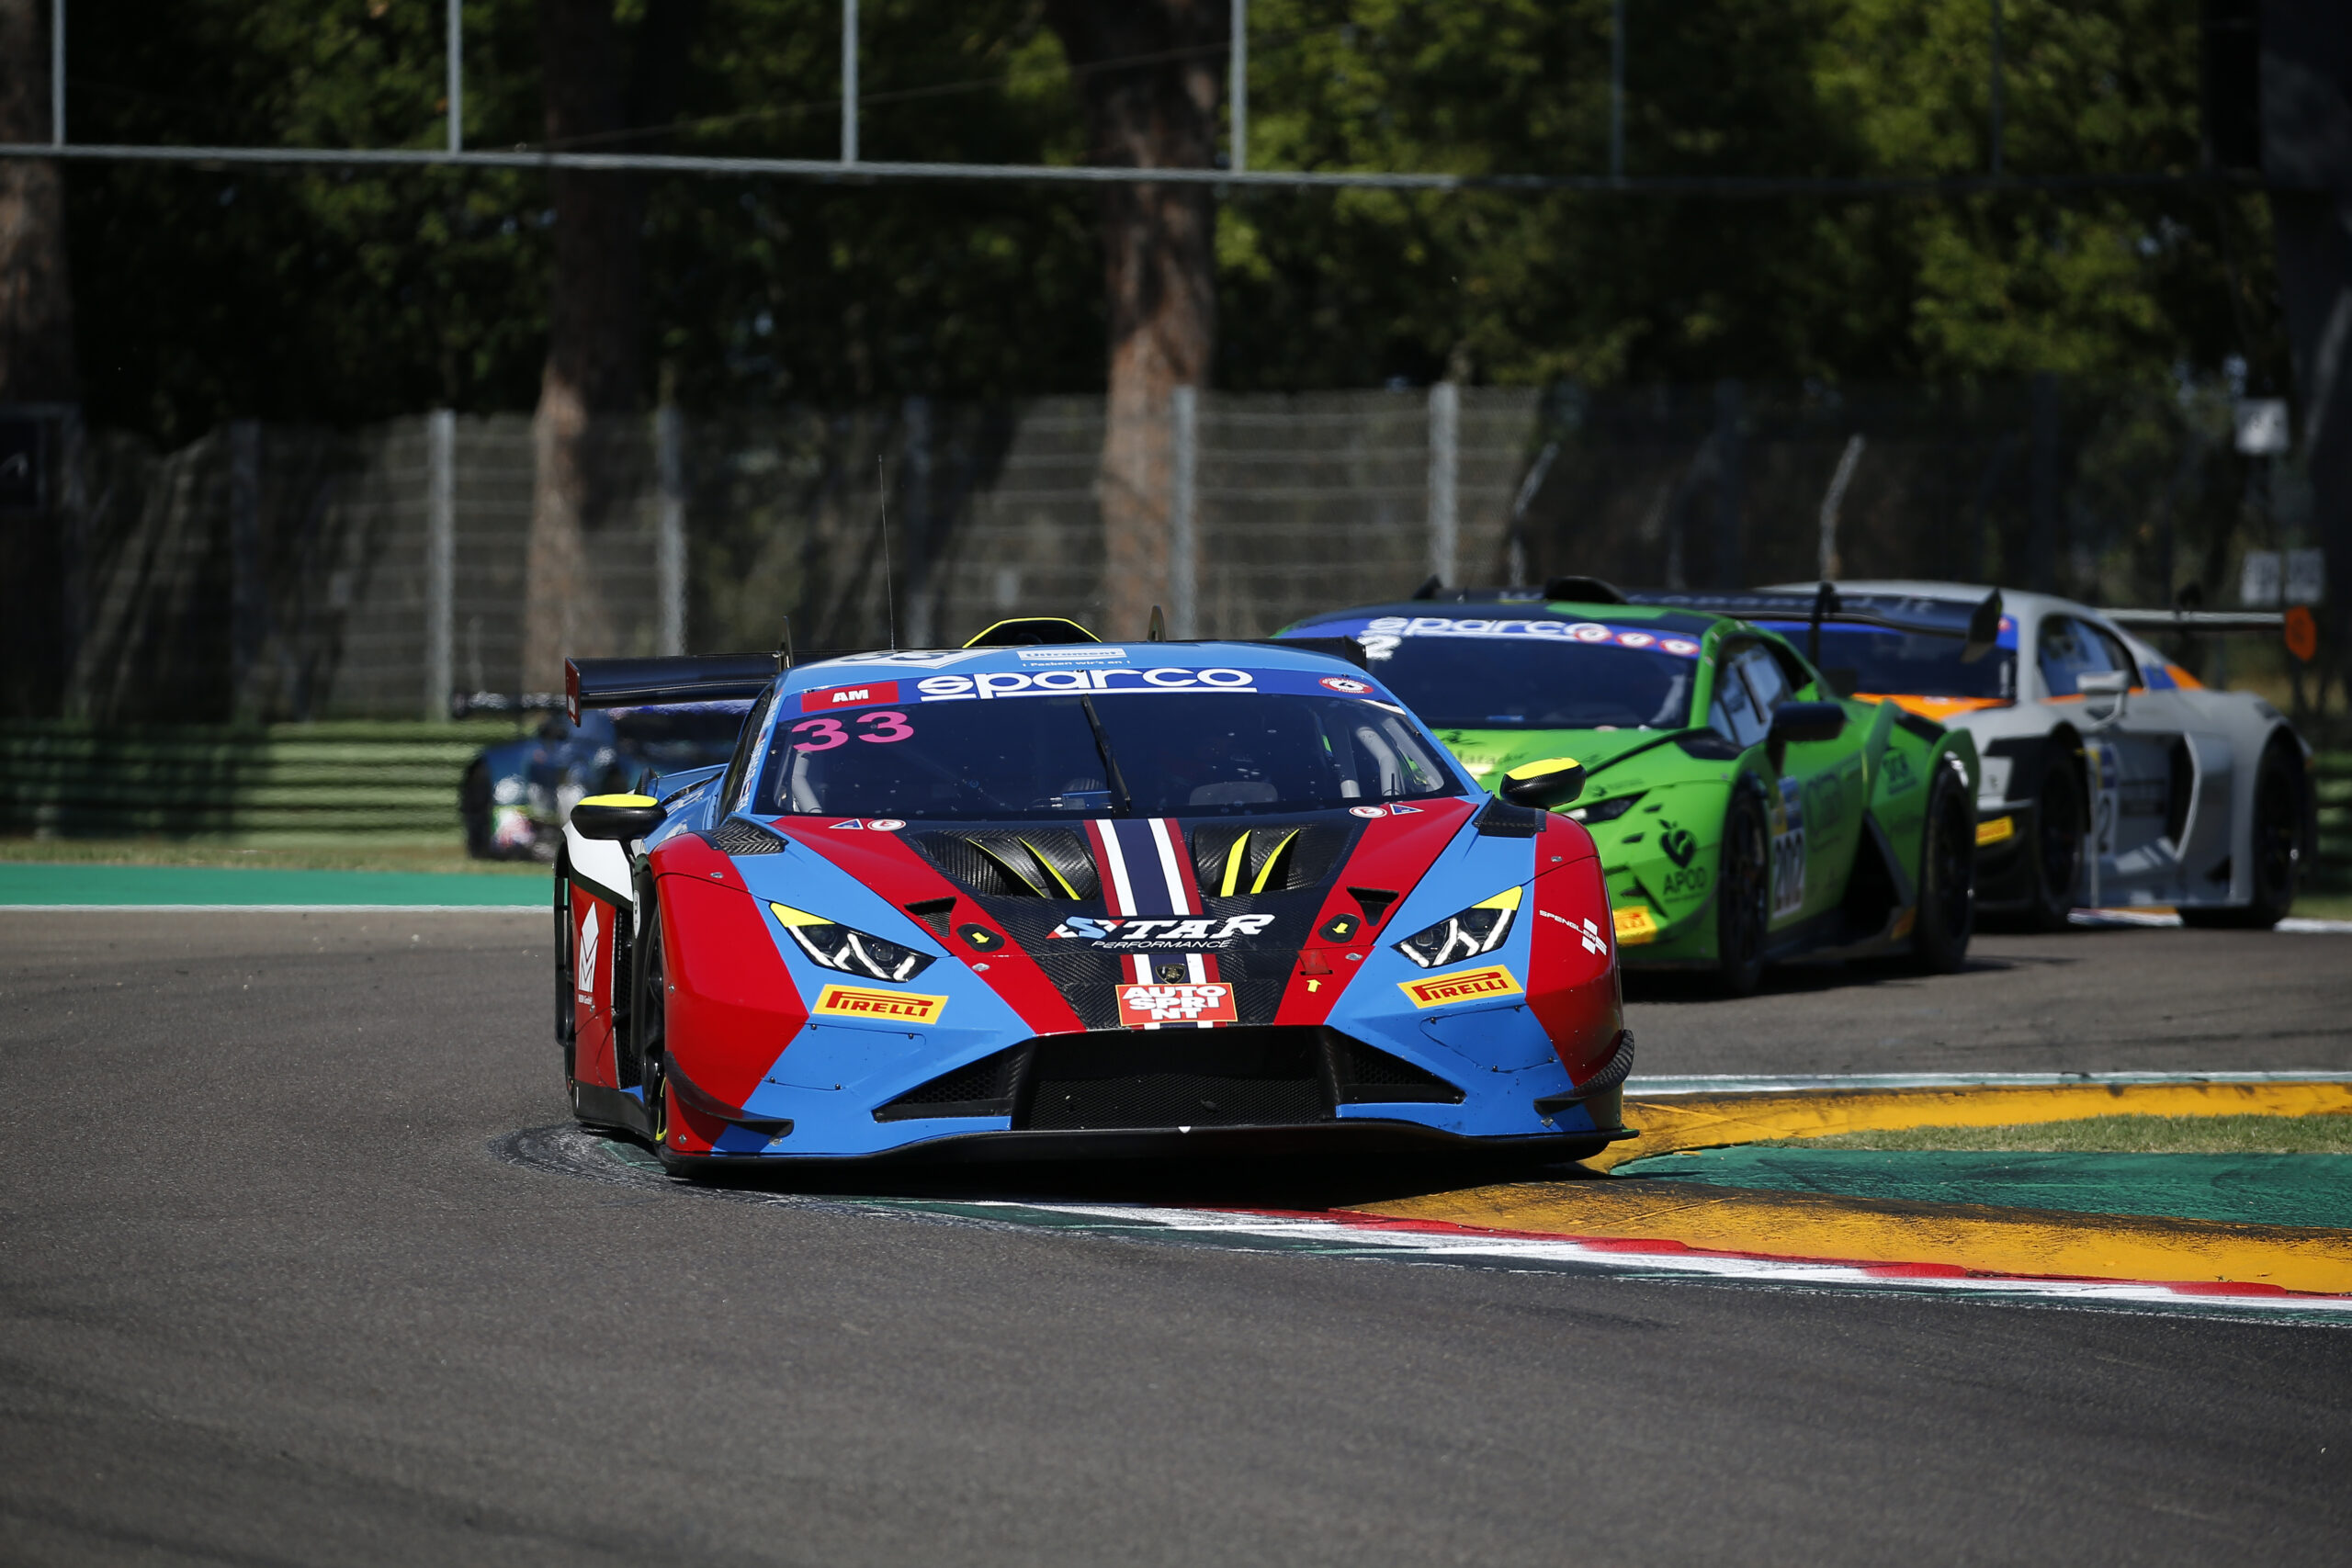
x=346, y=295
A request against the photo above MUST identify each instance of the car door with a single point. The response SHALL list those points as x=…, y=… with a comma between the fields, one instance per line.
x=1817, y=812
x=2141, y=777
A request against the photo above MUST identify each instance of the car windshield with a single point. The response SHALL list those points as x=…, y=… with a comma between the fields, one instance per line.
x=1882, y=662
x=1480, y=674
x=1169, y=753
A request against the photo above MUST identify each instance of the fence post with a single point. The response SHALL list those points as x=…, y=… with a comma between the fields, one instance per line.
x=248, y=603
x=440, y=561
x=914, y=506
x=670, y=527
x=1730, y=483
x=1183, y=510
x=1445, y=463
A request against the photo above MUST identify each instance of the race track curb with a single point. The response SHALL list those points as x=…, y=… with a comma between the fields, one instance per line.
x=1974, y=1239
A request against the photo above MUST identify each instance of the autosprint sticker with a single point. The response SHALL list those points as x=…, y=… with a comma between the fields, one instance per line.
x=1381, y=634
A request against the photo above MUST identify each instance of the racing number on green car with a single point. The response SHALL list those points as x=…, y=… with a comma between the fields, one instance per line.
x=888, y=725
x=1788, y=851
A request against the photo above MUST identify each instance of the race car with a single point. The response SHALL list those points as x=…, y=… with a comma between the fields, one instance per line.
x=515, y=793
x=1065, y=899
x=1746, y=813
x=2112, y=777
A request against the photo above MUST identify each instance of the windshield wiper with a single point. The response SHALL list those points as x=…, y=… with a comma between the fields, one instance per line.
x=1110, y=764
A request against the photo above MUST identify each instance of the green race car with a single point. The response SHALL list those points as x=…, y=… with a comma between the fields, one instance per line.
x=1744, y=814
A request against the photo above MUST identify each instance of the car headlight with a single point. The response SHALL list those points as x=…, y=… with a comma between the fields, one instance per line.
x=1478, y=928
x=1606, y=811
x=853, y=952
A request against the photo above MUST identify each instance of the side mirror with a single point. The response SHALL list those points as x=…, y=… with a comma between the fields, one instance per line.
x=617, y=817
x=1555, y=781
x=2103, y=683
x=1804, y=724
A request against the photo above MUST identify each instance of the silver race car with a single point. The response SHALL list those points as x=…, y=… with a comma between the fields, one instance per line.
x=2110, y=776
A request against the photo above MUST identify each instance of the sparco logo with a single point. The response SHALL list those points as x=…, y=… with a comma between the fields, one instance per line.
x=1062, y=683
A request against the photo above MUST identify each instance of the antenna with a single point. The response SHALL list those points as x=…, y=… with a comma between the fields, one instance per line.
x=889, y=593
x=1159, y=628
x=784, y=648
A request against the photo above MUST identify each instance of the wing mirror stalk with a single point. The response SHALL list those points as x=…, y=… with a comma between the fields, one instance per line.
x=2113, y=685
x=1802, y=723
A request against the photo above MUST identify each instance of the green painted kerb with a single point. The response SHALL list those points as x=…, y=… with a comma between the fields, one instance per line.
x=2312, y=1191
x=35, y=886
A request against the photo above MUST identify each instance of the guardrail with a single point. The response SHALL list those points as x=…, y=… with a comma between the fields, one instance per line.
x=291, y=780
x=2332, y=776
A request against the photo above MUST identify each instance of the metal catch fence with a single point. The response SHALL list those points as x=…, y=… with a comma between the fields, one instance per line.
x=273, y=573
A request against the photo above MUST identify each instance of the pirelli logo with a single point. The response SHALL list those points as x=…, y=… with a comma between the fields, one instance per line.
x=1463, y=986
x=883, y=1007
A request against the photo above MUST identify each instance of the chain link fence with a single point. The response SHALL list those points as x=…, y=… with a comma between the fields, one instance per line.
x=270, y=573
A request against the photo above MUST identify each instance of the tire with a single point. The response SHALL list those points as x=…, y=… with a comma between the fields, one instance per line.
x=1947, y=917
x=473, y=810
x=2276, y=849
x=650, y=1020
x=1743, y=894
x=566, y=1021
x=2057, y=849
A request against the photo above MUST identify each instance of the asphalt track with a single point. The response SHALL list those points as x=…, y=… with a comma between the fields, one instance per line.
x=269, y=1298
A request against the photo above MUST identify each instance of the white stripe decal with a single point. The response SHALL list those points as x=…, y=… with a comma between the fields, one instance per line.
x=1122, y=893
x=1160, y=836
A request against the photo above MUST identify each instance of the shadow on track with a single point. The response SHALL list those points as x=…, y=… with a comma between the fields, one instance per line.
x=1295, y=1184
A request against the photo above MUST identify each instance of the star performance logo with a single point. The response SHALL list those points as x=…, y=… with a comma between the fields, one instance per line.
x=1464, y=985
x=878, y=1006
x=1134, y=934
x=1195, y=1003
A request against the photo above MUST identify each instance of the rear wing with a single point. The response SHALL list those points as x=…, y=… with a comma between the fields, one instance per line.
x=1823, y=606
x=2199, y=622
x=695, y=677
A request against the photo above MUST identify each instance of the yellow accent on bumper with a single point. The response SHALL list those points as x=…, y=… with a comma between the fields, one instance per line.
x=1634, y=926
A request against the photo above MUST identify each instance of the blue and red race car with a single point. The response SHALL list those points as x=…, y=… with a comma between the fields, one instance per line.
x=1071, y=898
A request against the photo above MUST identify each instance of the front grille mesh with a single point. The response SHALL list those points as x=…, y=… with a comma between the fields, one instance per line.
x=736, y=837
x=1177, y=1078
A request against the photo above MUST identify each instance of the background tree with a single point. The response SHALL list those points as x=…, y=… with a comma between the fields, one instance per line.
x=595, y=363
x=37, y=359
x=1150, y=74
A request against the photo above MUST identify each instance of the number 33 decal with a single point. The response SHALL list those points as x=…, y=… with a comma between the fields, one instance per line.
x=879, y=728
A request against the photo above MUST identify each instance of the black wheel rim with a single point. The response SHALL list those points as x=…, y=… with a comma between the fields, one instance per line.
x=1953, y=865
x=652, y=1022
x=2273, y=837
x=2061, y=842
x=1745, y=889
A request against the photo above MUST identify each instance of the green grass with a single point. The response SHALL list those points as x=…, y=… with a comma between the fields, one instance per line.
x=2324, y=906
x=357, y=852
x=2329, y=1134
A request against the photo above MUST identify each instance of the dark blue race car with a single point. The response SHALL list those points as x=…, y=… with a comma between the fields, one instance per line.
x=516, y=796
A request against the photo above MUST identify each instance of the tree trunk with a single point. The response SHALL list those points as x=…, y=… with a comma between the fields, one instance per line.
x=36, y=366
x=595, y=365
x=1158, y=256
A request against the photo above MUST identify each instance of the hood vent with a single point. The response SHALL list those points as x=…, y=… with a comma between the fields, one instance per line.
x=1051, y=865
x=1235, y=863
